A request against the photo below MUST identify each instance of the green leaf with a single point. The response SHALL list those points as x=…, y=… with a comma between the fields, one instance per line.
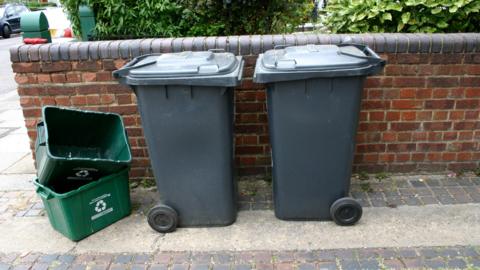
x=405, y=17
x=400, y=26
x=453, y=9
x=387, y=16
x=442, y=24
x=394, y=6
x=436, y=10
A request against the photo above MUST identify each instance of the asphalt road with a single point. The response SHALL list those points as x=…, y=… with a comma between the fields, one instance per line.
x=7, y=80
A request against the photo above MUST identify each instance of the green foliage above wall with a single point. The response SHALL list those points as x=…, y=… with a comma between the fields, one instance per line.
x=170, y=18
x=431, y=16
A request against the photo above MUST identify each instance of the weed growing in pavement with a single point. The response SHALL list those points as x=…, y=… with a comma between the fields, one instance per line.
x=147, y=183
x=366, y=187
x=381, y=176
x=477, y=171
x=363, y=175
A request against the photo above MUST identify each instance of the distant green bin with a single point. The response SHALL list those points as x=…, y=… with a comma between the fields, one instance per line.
x=89, y=208
x=76, y=145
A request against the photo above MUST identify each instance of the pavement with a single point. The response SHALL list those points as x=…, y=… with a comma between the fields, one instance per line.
x=410, y=221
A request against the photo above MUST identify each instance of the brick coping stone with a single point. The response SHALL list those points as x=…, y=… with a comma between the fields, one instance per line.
x=244, y=45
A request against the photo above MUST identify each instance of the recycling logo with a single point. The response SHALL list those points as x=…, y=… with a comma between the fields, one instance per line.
x=82, y=173
x=100, y=206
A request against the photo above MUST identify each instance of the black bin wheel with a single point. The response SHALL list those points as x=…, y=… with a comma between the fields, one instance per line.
x=346, y=211
x=162, y=218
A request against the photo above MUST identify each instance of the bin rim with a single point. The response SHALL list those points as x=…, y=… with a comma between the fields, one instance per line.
x=369, y=64
x=230, y=78
x=50, y=155
x=50, y=192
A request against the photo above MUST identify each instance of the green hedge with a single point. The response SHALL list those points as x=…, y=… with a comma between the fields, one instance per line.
x=360, y=16
x=116, y=19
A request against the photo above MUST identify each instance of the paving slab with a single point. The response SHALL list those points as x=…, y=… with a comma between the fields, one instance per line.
x=7, y=160
x=404, y=226
x=14, y=143
x=23, y=166
x=9, y=182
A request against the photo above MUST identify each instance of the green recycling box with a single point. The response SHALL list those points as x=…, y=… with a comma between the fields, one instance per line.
x=77, y=145
x=77, y=210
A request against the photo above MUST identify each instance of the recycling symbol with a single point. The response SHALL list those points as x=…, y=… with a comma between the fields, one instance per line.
x=82, y=173
x=100, y=206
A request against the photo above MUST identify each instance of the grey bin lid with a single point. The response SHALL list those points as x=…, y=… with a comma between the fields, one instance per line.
x=188, y=68
x=309, y=61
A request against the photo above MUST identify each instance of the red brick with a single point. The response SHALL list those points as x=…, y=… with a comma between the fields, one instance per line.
x=404, y=137
x=89, y=76
x=60, y=90
x=424, y=93
x=434, y=156
x=248, y=84
x=408, y=93
x=74, y=77
x=467, y=125
x=425, y=70
x=27, y=101
x=446, y=58
x=401, y=147
x=434, y=136
x=393, y=116
x=368, y=148
x=134, y=131
x=439, y=104
x=93, y=100
x=456, y=115
x=402, y=157
x=249, y=107
x=87, y=65
x=470, y=81
x=472, y=69
x=442, y=82
x=248, y=150
x=448, y=156
x=465, y=135
x=370, y=158
x=408, y=116
x=428, y=147
x=34, y=112
x=376, y=116
x=440, y=115
x=411, y=58
x=374, y=93
x=418, y=157
x=450, y=136
x=104, y=76
x=86, y=89
x=440, y=93
x=124, y=109
x=399, y=126
x=389, y=136
x=22, y=79
x=373, y=82
x=124, y=99
x=472, y=92
x=375, y=126
x=467, y=104
x=56, y=66
x=424, y=115
x=79, y=100
x=464, y=156
x=58, y=77
x=419, y=136
x=43, y=78
x=62, y=101
x=30, y=91
x=409, y=82
x=31, y=67
x=472, y=115
x=405, y=104
x=375, y=104
x=107, y=99
x=386, y=157
x=456, y=92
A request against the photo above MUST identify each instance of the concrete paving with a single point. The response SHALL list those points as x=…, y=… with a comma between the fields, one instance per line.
x=259, y=230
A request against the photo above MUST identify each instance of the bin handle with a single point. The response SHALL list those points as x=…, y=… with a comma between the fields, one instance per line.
x=216, y=50
x=372, y=57
x=43, y=193
x=131, y=65
x=280, y=46
x=41, y=134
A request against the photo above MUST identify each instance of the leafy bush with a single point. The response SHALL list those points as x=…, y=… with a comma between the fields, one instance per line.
x=170, y=18
x=359, y=16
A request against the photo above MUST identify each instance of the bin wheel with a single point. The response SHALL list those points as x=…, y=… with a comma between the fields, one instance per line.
x=346, y=211
x=162, y=218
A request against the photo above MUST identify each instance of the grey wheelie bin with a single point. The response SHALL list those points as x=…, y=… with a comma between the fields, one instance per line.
x=186, y=106
x=313, y=98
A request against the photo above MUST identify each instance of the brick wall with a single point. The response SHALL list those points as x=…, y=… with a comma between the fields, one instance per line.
x=420, y=114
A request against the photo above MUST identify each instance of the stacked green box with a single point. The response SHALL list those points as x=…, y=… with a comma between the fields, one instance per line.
x=85, y=210
x=83, y=160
